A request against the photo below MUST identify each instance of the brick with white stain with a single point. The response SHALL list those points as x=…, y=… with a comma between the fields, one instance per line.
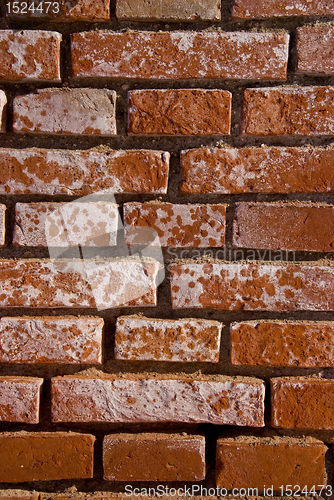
x=135, y=398
x=79, y=173
x=168, y=225
x=51, y=340
x=78, y=283
x=66, y=111
x=19, y=399
x=253, y=286
x=66, y=224
x=30, y=55
x=177, y=55
x=183, y=340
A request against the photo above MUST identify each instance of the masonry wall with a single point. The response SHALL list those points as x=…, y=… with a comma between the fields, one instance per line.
x=167, y=238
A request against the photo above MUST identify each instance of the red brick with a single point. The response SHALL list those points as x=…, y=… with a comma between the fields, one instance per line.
x=180, y=55
x=66, y=224
x=252, y=462
x=307, y=111
x=29, y=56
x=2, y=224
x=283, y=343
x=179, y=112
x=153, y=457
x=79, y=173
x=3, y=112
x=284, y=226
x=160, y=398
x=169, y=10
x=54, y=339
x=184, y=340
x=19, y=495
x=262, y=9
x=19, y=399
x=66, y=111
x=45, y=456
x=257, y=170
x=174, y=225
x=77, y=283
x=80, y=10
x=315, y=50
x=302, y=403
x=262, y=286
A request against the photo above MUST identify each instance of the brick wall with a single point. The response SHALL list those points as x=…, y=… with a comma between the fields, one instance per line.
x=166, y=248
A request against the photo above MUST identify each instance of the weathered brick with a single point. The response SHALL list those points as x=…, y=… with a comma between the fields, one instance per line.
x=186, y=340
x=315, y=50
x=262, y=9
x=66, y=224
x=45, y=456
x=179, y=112
x=169, y=10
x=284, y=226
x=64, y=10
x=262, y=286
x=292, y=111
x=29, y=55
x=252, y=462
x=2, y=224
x=3, y=111
x=19, y=399
x=19, y=495
x=77, y=283
x=257, y=170
x=180, y=55
x=161, y=398
x=66, y=111
x=283, y=343
x=79, y=173
x=153, y=457
x=302, y=403
x=174, y=225
x=53, y=339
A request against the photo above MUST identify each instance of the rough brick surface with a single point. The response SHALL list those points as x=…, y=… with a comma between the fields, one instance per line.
x=47, y=340
x=154, y=339
x=284, y=226
x=79, y=173
x=66, y=111
x=2, y=224
x=171, y=10
x=279, y=343
x=301, y=403
x=77, y=283
x=256, y=286
x=315, y=50
x=19, y=495
x=135, y=399
x=257, y=170
x=66, y=224
x=65, y=10
x=280, y=111
x=19, y=399
x=153, y=457
x=3, y=111
x=45, y=456
x=250, y=462
x=261, y=9
x=179, y=112
x=180, y=55
x=174, y=225
x=29, y=55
